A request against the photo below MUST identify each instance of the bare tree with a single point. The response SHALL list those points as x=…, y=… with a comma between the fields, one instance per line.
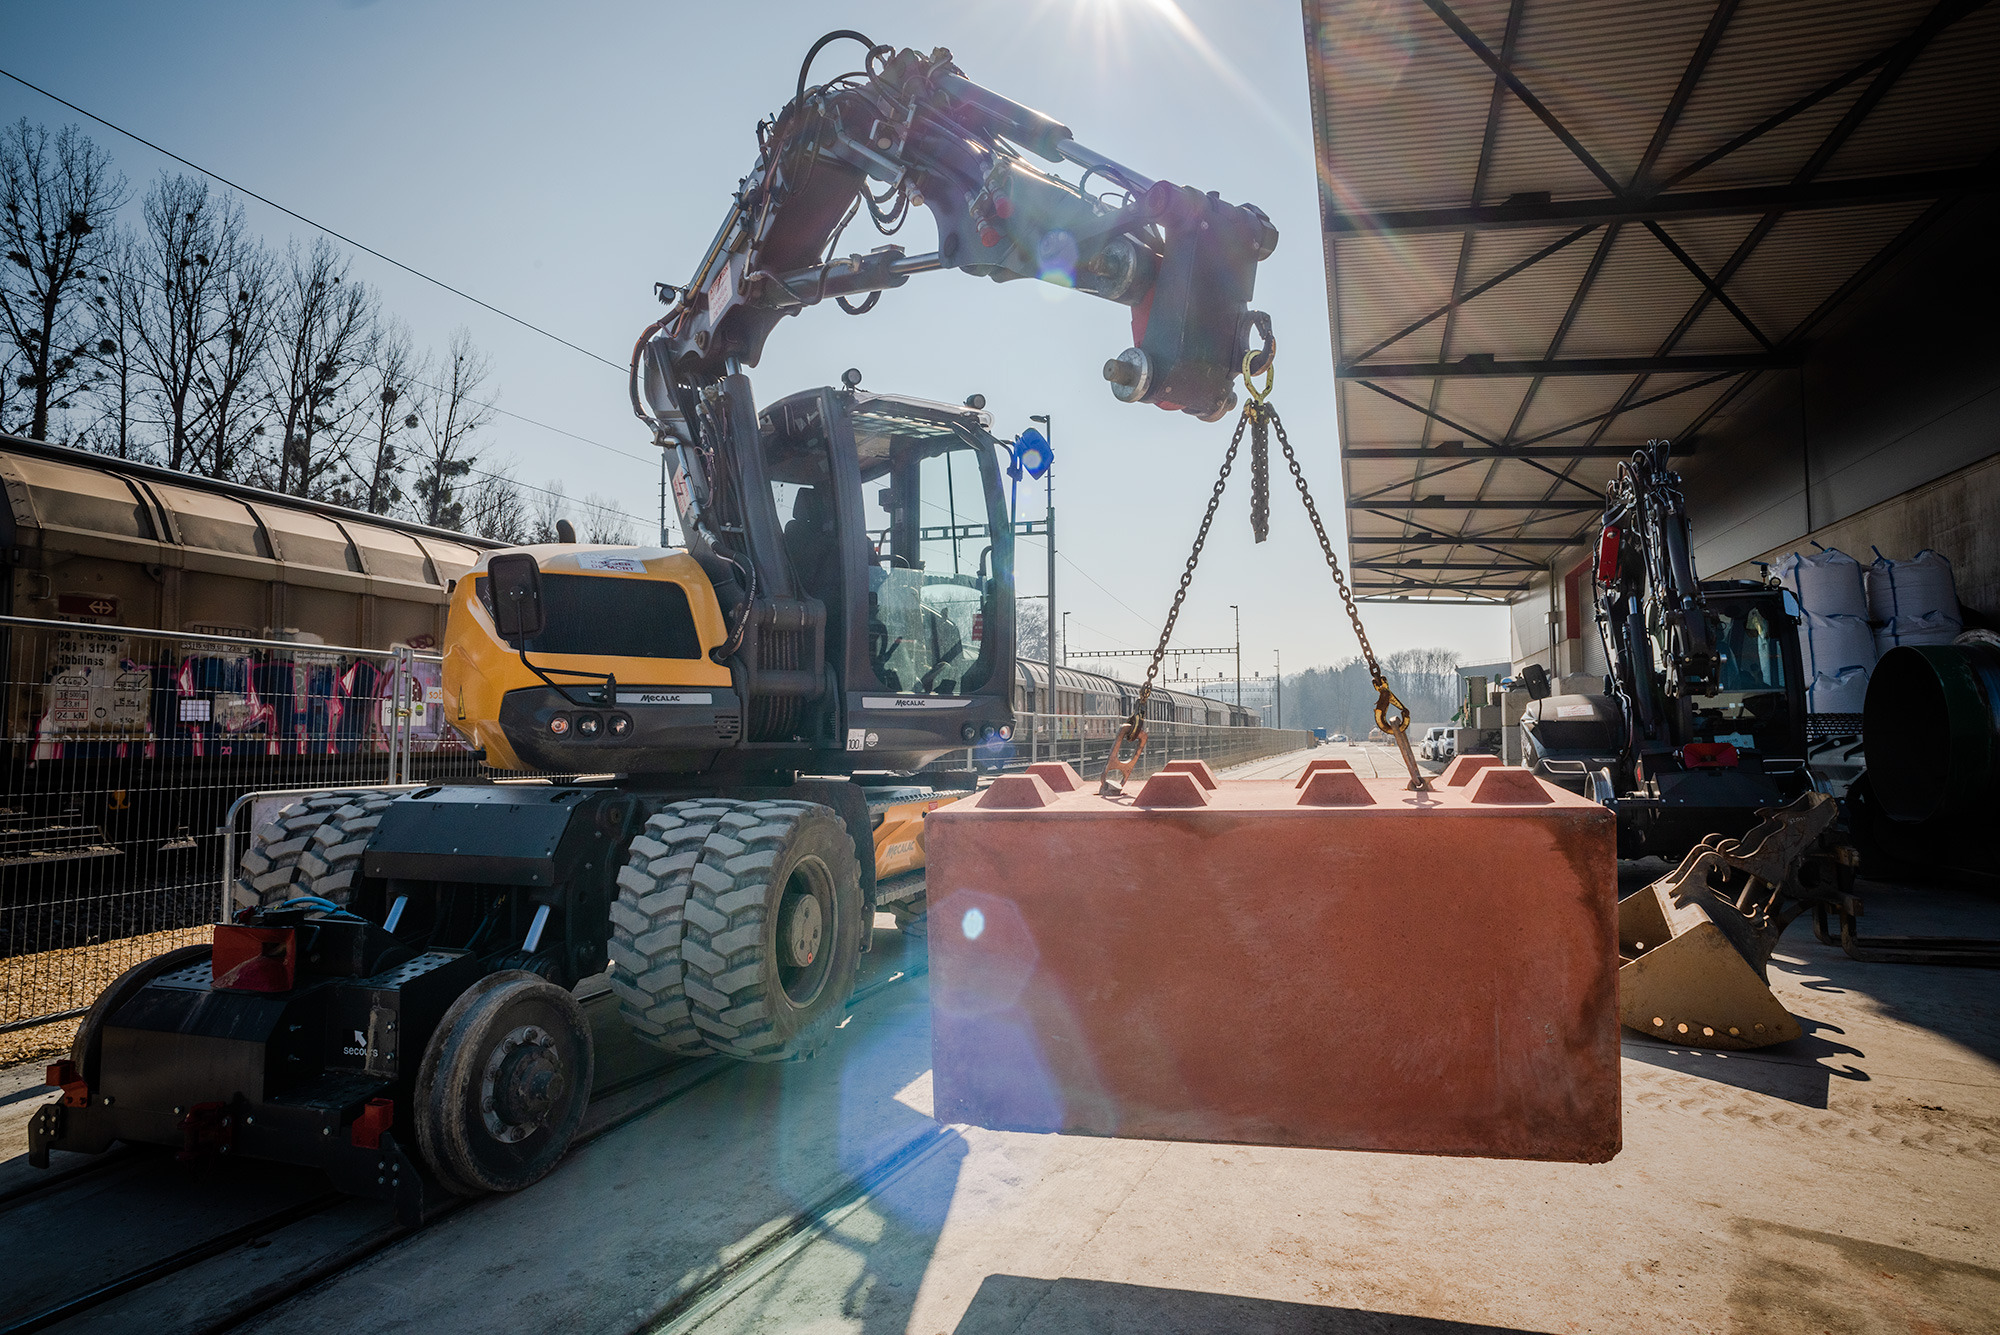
x=58, y=197
x=1031, y=630
x=549, y=506
x=322, y=324
x=376, y=456
x=183, y=307
x=495, y=508
x=116, y=384
x=604, y=522
x=449, y=413
x=233, y=410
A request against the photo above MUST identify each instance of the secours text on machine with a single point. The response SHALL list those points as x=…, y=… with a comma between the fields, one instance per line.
x=393, y=1002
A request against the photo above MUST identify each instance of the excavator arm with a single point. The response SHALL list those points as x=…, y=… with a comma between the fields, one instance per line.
x=910, y=130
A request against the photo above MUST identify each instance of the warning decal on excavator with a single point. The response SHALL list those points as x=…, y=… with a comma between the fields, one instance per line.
x=624, y=565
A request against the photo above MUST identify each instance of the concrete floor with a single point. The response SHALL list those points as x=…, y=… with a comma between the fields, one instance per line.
x=1849, y=1181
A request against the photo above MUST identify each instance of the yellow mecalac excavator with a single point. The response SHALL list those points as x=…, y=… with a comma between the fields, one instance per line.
x=393, y=1003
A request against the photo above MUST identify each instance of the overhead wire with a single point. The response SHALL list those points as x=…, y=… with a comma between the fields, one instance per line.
x=293, y=213
x=129, y=276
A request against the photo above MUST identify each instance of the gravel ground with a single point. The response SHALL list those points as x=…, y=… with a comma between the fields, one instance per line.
x=57, y=980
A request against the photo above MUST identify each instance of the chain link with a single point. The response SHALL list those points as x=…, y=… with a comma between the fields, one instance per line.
x=1260, y=417
x=1391, y=714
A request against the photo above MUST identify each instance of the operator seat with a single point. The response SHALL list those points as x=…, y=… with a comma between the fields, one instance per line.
x=811, y=543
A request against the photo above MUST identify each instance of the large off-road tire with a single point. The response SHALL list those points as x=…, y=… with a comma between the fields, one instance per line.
x=773, y=930
x=647, y=922
x=331, y=866
x=503, y=1084
x=85, y=1048
x=287, y=857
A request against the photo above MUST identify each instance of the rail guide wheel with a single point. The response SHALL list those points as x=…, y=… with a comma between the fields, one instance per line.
x=503, y=1084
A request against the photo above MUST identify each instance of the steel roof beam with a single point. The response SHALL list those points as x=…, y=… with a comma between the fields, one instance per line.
x=1454, y=450
x=1440, y=503
x=1540, y=211
x=1407, y=567
x=1479, y=364
x=1447, y=540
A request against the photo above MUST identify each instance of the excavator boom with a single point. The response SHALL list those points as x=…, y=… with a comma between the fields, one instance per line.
x=909, y=131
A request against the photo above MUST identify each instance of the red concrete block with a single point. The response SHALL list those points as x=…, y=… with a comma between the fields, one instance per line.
x=1319, y=766
x=1463, y=769
x=1059, y=775
x=1175, y=788
x=1427, y=974
x=1203, y=775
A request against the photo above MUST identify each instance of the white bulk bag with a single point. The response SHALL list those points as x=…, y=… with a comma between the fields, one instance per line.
x=1830, y=645
x=1916, y=597
x=1842, y=692
x=1828, y=582
x=1931, y=628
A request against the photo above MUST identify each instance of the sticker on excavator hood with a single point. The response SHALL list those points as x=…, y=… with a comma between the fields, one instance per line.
x=856, y=738
x=665, y=698
x=624, y=565
x=1573, y=711
x=914, y=702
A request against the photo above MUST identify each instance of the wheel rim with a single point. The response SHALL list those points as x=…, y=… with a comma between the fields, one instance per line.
x=806, y=930
x=523, y=1084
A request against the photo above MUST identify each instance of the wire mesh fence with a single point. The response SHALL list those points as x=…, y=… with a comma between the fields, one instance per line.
x=1085, y=741
x=124, y=748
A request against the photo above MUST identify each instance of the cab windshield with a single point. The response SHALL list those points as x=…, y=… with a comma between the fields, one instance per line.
x=1749, y=709
x=931, y=569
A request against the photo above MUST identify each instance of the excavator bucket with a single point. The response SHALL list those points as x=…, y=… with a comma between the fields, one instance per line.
x=1341, y=964
x=1680, y=978
x=1694, y=947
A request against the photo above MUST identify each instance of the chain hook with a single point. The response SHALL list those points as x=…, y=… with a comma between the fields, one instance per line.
x=1134, y=731
x=1270, y=373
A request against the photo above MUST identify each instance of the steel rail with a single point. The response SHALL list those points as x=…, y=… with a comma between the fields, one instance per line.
x=683, y=1076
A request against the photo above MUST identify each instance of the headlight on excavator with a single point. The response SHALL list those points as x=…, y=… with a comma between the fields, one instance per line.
x=589, y=725
x=969, y=733
x=1006, y=732
x=559, y=725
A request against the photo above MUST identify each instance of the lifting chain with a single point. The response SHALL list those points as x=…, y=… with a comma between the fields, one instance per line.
x=1391, y=715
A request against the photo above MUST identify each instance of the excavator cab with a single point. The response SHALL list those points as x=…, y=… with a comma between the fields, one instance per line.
x=865, y=621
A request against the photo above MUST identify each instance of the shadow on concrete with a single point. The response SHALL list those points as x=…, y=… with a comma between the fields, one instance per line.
x=1798, y=1072
x=1955, y=1002
x=1011, y=1303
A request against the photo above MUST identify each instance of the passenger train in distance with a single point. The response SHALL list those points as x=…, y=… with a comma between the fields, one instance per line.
x=1092, y=706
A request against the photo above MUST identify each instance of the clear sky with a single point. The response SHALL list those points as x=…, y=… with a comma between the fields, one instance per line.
x=555, y=160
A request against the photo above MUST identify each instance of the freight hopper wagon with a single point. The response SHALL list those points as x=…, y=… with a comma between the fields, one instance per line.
x=170, y=642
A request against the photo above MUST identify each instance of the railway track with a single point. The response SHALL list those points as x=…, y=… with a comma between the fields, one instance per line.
x=157, y=1251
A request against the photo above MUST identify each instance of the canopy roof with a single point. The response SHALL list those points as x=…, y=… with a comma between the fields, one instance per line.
x=1556, y=229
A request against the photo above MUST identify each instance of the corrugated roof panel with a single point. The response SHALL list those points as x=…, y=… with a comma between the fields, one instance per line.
x=1409, y=106
x=1774, y=53
x=1640, y=293
x=1605, y=72
x=1516, y=320
x=1954, y=88
x=1386, y=282
x=1401, y=108
x=1808, y=256
x=1373, y=419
